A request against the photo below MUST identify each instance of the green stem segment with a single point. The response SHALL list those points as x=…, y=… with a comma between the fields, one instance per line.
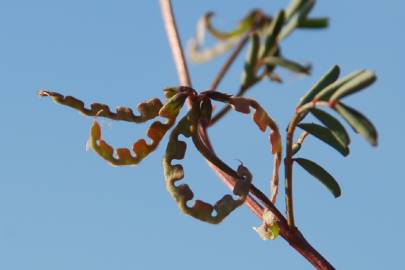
x=288, y=165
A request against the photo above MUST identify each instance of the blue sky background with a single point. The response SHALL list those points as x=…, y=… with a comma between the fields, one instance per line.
x=64, y=208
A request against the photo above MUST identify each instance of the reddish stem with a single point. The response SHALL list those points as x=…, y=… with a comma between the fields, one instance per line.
x=290, y=233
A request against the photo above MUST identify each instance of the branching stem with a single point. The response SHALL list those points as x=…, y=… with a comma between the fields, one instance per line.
x=290, y=233
x=288, y=164
x=220, y=75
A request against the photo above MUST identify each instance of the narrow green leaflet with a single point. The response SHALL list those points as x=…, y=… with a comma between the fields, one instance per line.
x=294, y=21
x=358, y=122
x=333, y=125
x=249, y=75
x=182, y=193
x=328, y=91
x=358, y=83
x=325, y=135
x=321, y=174
x=293, y=7
x=288, y=64
x=312, y=23
x=272, y=33
x=330, y=76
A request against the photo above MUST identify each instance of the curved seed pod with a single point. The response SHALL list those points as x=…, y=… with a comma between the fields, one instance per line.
x=148, y=110
x=263, y=120
x=198, y=54
x=182, y=193
x=123, y=156
x=243, y=27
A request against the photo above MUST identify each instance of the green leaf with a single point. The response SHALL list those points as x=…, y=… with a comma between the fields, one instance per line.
x=313, y=23
x=358, y=83
x=333, y=125
x=321, y=174
x=325, y=135
x=358, y=122
x=328, y=91
x=295, y=19
x=293, y=7
x=249, y=74
x=327, y=79
x=288, y=64
x=272, y=33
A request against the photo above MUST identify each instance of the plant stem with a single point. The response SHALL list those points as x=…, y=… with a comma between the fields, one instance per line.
x=227, y=108
x=174, y=41
x=290, y=234
x=228, y=63
x=288, y=164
